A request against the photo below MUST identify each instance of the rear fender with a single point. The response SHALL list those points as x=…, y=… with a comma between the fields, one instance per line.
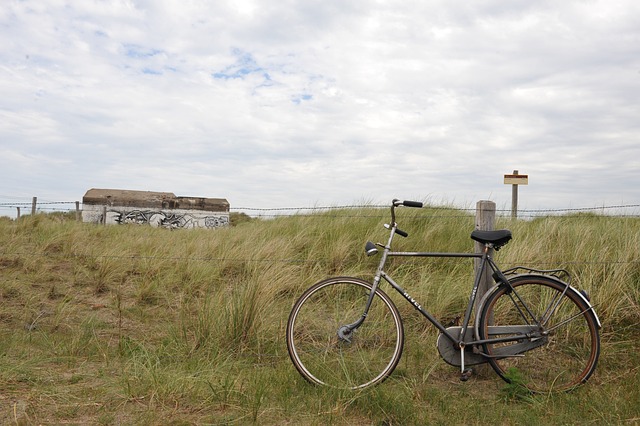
x=513, y=278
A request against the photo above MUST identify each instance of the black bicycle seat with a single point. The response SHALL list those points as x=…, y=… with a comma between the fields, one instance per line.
x=496, y=238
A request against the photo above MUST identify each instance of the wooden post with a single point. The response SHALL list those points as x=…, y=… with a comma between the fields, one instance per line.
x=33, y=206
x=514, y=198
x=78, y=218
x=485, y=221
x=18, y=217
x=104, y=215
x=514, y=180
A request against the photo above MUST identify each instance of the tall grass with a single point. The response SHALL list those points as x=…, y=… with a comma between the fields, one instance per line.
x=128, y=324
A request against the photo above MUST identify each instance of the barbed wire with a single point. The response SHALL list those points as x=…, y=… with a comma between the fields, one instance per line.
x=436, y=208
x=322, y=208
x=354, y=206
x=276, y=260
x=272, y=212
x=162, y=258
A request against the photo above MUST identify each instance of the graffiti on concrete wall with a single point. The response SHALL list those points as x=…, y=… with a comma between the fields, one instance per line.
x=162, y=219
x=158, y=209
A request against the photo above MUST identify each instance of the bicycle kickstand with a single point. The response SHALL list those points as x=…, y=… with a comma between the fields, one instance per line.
x=465, y=373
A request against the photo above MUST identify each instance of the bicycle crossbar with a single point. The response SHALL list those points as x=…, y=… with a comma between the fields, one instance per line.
x=429, y=254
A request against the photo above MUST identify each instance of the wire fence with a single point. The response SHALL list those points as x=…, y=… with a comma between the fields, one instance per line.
x=628, y=210
x=271, y=260
x=45, y=206
x=17, y=208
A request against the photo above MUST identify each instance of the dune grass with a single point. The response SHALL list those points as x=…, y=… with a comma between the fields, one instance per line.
x=136, y=325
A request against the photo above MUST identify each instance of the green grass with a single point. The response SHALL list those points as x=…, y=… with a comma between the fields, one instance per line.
x=135, y=325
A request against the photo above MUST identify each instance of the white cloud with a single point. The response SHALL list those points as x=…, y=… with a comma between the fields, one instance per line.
x=323, y=101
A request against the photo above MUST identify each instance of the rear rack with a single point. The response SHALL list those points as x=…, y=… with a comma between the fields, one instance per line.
x=561, y=274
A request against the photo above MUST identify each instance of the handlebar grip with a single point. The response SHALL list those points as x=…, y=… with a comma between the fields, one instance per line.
x=402, y=233
x=417, y=204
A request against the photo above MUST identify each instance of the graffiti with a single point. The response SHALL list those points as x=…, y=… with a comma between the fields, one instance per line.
x=170, y=219
x=161, y=219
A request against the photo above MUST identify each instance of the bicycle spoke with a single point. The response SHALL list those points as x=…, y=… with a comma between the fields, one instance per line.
x=322, y=357
x=568, y=320
x=341, y=333
x=561, y=353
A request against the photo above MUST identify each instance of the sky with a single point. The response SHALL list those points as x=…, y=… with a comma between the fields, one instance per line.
x=322, y=102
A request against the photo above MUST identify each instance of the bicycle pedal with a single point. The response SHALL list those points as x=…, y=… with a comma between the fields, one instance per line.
x=466, y=374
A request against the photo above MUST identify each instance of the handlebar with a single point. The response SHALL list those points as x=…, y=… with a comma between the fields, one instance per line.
x=406, y=203
x=397, y=203
x=370, y=247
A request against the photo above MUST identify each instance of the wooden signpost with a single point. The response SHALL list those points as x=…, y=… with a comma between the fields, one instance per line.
x=514, y=180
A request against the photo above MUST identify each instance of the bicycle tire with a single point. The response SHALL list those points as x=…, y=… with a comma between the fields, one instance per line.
x=563, y=349
x=322, y=357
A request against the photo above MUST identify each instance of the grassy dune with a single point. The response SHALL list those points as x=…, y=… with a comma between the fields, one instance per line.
x=135, y=325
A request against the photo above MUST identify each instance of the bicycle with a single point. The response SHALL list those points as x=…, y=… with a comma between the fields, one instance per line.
x=346, y=332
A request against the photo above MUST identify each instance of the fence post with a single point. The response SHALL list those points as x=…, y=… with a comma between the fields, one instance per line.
x=78, y=211
x=485, y=221
x=18, y=217
x=33, y=206
x=514, y=199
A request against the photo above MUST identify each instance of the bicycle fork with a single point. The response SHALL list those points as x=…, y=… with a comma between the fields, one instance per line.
x=345, y=331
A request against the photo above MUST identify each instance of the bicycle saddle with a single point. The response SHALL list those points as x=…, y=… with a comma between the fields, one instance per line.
x=496, y=238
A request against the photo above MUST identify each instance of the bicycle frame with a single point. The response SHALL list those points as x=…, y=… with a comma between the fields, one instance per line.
x=459, y=342
x=485, y=260
x=526, y=309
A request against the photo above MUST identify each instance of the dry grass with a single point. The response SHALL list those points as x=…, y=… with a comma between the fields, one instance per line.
x=134, y=325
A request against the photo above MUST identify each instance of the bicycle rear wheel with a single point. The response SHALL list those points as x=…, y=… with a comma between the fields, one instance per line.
x=365, y=357
x=560, y=343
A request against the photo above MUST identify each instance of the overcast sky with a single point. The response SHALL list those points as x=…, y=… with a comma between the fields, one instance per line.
x=322, y=102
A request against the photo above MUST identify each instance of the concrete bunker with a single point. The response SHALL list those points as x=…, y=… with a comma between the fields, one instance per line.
x=158, y=209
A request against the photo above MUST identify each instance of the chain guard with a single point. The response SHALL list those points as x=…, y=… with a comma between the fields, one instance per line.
x=451, y=355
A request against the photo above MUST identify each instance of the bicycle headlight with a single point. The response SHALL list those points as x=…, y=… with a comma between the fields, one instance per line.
x=370, y=248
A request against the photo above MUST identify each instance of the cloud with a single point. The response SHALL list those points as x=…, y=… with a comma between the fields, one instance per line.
x=322, y=101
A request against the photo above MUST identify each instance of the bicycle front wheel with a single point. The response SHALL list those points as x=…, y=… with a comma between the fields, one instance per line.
x=558, y=340
x=317, y=343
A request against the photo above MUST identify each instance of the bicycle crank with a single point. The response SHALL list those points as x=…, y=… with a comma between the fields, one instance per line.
x=452, y=355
